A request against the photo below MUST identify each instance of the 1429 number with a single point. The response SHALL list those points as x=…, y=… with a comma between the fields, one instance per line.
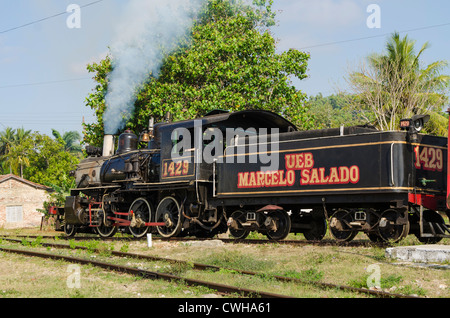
x=429, y=158
x=175, y=169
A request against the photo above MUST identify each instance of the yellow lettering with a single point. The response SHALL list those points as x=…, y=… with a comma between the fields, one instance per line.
x=323, y=180
x=290, y=161
x=305, y=177
x=354, y=174
x=345, y=174
x=242, y=179
x=309, y=160
x=290, y=176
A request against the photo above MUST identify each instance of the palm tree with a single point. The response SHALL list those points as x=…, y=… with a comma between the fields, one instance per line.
x=21, y=135
x=6, y=139
x=6, y=142
x=17, y=158
x=395, y=84
x=70, y=140
x=13, y=150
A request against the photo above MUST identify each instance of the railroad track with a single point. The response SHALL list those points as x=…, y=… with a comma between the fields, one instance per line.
x=225, y=240
x=219, y=287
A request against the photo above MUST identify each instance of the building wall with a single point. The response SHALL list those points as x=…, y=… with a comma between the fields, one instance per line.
x=16, y=193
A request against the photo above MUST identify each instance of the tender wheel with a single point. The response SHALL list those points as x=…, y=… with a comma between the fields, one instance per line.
x=142, y=213
x=374, y=237
x=235, y=225
x=279, y=224
x=340, y=226
x=169, y=211
x=70, y=230
x=388, y=230
x=318, y=227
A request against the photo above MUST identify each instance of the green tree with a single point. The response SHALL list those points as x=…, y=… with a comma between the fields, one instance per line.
x=395, y=84
x=21, y=134
x=333, y=111
x=17, y=157
x=13, y=154
x=96, y=100
x=61, y=191
x=40, y=159
x=229, y=63
x=70, y=140
x=49, y=162
x=6, y=142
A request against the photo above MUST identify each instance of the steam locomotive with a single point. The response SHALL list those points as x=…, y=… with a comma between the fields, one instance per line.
x=254, y=171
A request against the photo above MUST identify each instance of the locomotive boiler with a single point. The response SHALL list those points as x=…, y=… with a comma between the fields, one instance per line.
x=254, y=171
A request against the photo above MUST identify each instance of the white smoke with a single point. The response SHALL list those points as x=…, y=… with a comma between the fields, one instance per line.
x=148, y=28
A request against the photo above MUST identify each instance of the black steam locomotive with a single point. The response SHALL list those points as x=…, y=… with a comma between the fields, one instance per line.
x=253, y=171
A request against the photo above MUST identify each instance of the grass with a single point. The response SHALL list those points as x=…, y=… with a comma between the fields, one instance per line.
x=237, y=260
x=353, y=266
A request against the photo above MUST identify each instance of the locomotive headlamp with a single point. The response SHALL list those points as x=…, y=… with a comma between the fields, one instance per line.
x=419, y=121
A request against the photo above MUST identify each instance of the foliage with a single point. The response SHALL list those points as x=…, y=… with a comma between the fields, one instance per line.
x=70, y=140
x=395, y=84
x=49, y=162
x=60, y=191
x=40, y=159
x=230, y=63
x=334, y=110
x=13, y=156
x=96, y=101
x=438, y=124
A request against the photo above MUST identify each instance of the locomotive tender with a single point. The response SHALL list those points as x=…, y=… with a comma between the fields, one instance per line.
x=253, y=171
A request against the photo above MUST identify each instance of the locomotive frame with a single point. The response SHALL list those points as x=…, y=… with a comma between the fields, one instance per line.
x=264, y=176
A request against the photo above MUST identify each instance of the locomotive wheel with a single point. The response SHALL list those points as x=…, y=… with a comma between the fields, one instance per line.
x=70, y=230
x=282, y=225
x=106, y=231
x=236, y=229
x=142, y=213
x=169, y=211
x=340, y=226
x=388, y=230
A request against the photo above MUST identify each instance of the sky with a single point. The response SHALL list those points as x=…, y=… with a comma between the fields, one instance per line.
x=43, y=76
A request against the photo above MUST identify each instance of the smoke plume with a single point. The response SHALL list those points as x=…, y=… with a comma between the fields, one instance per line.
x=149, y=28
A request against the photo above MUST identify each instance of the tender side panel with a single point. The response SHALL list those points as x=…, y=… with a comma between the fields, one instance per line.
x=365, y=163
x=430, y=164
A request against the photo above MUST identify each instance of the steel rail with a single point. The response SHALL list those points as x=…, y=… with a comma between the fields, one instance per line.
x=199, y=266
x=225, y=240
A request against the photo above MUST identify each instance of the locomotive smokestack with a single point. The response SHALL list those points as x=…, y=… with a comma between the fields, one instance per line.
x=108, y=145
